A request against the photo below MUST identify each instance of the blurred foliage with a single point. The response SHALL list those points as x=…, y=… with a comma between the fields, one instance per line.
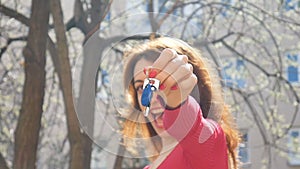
x=259, y=33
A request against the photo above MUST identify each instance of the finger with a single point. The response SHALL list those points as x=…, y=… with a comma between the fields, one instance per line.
x=184, y=58
x=164, y=58
x=162, y=76
x=180, y=74
x=188, y=83
x=171, y=67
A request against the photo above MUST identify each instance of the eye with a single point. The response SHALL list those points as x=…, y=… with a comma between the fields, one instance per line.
x=139, y=89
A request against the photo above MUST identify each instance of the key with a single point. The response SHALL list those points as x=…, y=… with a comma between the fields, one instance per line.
x=150, y=85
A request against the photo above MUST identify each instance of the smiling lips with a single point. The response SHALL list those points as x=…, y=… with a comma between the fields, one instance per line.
x=157, y=114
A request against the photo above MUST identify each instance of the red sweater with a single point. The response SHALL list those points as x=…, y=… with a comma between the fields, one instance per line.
x=202, y=142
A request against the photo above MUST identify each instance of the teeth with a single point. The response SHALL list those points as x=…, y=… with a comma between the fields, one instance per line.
x=157, y=116
x=157, y=111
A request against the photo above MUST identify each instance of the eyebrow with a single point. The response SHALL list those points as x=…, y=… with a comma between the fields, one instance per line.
x=138, y=81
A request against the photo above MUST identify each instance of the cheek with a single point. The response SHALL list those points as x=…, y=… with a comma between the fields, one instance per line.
x=139, y=95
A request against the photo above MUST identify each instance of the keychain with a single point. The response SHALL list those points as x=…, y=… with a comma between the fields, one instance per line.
x=150, y=85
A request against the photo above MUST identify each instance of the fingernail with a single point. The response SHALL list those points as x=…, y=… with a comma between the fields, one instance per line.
x=152, y=73
x=162, y=87
x=145, y=70
x=175, y=87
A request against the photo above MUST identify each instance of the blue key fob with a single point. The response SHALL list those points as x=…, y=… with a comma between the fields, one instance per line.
x=150, y=85
x=147, y=95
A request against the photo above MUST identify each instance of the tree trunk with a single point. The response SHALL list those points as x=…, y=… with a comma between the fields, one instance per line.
x=120, y=157
x=80, y=144
x=3, y=164
x=29, y=122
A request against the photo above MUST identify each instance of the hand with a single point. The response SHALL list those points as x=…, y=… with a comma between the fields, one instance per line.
x=176, y=76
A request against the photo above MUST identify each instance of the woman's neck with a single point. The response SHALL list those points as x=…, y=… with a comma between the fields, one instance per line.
x=168, y=144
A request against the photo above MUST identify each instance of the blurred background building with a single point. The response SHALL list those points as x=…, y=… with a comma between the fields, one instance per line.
x=253, y=45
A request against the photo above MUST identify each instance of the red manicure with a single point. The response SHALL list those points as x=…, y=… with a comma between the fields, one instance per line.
x=175, y=87
x=152, y=73
x=162, y=87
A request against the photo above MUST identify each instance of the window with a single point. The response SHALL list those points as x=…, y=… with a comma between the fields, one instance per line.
x=234, y=73
x=161, y=6
x=244, y=150
x=108, y=16
x=293, y=72
x=103, y=83
x=226, y=7
x=294, y=147
x=291, y=4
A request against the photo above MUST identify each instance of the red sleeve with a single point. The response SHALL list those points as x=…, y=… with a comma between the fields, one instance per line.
x=179, y=122
x=202, y=140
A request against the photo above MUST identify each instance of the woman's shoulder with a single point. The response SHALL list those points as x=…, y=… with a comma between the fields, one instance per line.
x=147, y=167
x=210, y=128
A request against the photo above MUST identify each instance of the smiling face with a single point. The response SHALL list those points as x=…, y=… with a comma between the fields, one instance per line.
x=156, y=108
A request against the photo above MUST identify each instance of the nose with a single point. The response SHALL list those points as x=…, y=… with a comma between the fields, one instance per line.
x=157, y=100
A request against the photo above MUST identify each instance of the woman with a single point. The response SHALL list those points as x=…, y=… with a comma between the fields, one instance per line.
x=179, y=124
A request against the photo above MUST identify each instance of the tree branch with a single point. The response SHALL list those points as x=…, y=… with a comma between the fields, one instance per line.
x=9, y=41
x=160, y=22
x=79, y=158
x=14, y=14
